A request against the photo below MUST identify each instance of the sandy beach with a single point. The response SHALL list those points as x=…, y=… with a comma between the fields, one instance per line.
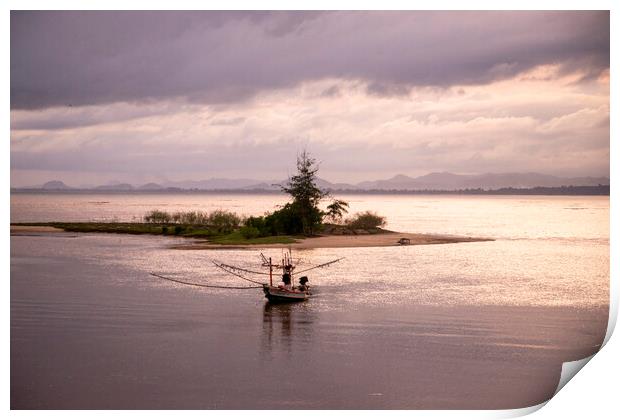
x=346, y=241
x=16, y=230
x=324, y=241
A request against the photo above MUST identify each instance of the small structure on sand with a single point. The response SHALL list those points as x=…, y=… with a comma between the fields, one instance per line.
x=404, y=241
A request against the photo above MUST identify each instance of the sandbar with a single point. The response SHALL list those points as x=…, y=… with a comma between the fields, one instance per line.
x=33, y=229
x=345, y=241
x=386, y=238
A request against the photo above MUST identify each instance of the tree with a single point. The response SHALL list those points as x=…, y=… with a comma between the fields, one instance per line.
x=302, y=186
x=336, y=210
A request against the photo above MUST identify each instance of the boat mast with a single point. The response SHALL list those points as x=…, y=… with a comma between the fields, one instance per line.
x=270, y=273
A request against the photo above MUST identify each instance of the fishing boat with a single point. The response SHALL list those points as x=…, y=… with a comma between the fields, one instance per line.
x=284, y=290
x=281, y=295
x=287, y=291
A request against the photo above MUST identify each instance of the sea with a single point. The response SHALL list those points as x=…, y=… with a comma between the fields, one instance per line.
x=480, y=325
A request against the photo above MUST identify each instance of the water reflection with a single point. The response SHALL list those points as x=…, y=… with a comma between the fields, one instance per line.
x=285, y=325
x=477, y=325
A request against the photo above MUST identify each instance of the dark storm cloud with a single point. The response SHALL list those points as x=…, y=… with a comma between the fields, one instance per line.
x=88, y=58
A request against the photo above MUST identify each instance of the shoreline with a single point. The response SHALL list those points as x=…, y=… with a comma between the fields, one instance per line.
x=346, y=241
x=19, y=229
x=322, y=241
x=568, y=191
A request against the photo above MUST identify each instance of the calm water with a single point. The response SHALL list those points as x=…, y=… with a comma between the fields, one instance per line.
x=472, y=325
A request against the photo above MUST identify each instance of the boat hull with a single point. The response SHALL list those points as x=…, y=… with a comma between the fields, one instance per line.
x=281, y=295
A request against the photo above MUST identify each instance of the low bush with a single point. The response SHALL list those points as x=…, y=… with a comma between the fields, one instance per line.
x=366, y=220
x=249, y=232
x=200, y=233
x=157, y=216
x=259, y=223
x=219, y=220
x=224, y=221
x=192, y=218
x=286, y=221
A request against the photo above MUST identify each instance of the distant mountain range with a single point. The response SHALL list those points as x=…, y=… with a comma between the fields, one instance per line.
x=444, y=181
x=450, y=181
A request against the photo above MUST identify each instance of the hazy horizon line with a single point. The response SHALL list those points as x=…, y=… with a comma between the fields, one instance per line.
x=138, y=184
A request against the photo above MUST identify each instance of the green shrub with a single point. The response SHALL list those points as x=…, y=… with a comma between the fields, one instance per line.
x=366, y=220
x=221, y=220
x=200, y=233
x=164, y=230
x=249, y=232
x=157, y=216
x=193, y=218
x=259, y=223
x=178, y=229
x=293, y=219
x=224, y=221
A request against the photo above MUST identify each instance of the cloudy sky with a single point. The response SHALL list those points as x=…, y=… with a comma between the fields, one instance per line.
x=154, y=96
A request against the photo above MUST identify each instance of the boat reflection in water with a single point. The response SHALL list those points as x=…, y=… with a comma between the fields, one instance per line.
x=285, y=326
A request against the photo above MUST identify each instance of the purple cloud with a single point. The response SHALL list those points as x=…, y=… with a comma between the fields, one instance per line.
x=89, y=58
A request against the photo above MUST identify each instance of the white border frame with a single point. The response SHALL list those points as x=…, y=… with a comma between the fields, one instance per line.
x=594, y=393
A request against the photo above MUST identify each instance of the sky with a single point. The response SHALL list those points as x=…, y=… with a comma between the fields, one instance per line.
x=144, y=96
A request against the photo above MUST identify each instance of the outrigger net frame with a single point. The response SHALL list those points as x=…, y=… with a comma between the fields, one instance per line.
x=235, y=271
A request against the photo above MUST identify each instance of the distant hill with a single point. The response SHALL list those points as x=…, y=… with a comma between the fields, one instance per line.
x=435, y=181
x=214, y=184
x=151, y=186
x=450, y=181
x=528, y=180
x=115, y=187
x=322, y=183
x=55, y=185
x=397, y=182
x=275, y=185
